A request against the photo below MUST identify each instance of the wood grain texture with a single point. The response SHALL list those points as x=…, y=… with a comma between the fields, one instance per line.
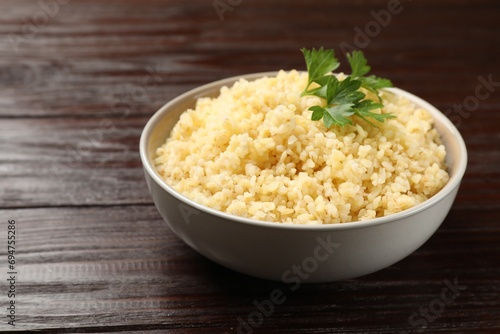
x=121, y=267
x=77, y=85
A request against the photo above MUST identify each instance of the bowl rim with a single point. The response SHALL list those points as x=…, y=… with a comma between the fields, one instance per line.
x=197, y=92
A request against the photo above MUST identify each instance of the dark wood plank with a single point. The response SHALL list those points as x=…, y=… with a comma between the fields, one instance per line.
x=92, y=58
x=120, y=267
x=54, y=162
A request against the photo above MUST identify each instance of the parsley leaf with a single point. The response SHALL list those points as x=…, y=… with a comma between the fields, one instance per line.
x=319, y=63
x=359, y=68
x=347, y=92
x=337, y=114
x=358, y=63
x=343, y=98
x=321, y=91
x=363, y=110
x=375, y=82
x=340, y=112
x=318, y=113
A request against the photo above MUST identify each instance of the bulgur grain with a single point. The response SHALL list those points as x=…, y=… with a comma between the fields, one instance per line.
x=254, y=152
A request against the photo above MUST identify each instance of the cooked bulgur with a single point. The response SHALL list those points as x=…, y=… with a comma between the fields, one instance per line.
x=254, y=152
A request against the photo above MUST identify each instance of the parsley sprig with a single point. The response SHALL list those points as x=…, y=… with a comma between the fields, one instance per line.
x=343, y=98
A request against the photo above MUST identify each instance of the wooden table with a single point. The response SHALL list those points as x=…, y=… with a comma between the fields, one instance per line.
x=79, y=80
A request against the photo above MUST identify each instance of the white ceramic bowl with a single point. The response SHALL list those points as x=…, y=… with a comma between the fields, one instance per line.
x=297, y=253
